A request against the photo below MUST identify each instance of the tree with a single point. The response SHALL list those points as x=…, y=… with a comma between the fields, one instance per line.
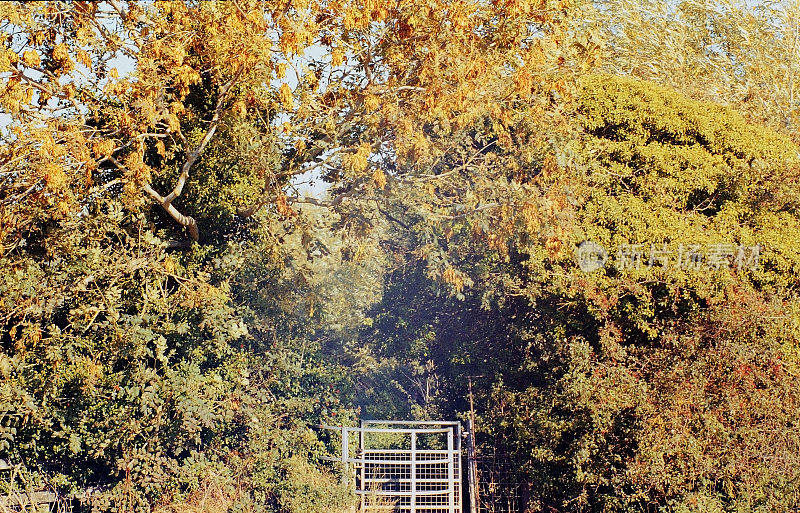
x=161, y=292
x=162, y=264
x=727, y=51
x=383, y=73
x=636, y=386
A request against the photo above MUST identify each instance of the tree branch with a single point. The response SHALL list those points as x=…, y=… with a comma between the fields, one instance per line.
x=475, y=210
x=187, y=221
x=191, y=157
x=391, y=218
x=193, y=154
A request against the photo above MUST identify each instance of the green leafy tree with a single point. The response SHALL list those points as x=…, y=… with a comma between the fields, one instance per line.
x=655, y=387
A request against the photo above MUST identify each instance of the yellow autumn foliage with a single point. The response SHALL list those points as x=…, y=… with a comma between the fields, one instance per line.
x=286, y=97
x=31, y=58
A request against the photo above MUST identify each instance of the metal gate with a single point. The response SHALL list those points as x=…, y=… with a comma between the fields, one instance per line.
x=404, y=466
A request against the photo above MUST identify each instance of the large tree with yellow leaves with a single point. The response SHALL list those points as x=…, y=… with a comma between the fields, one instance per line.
x=163, y=314
x=158, y=283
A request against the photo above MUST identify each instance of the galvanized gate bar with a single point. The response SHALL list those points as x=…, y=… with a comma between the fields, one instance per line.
x=389, y=430
x=413, y=472
x=451, y=488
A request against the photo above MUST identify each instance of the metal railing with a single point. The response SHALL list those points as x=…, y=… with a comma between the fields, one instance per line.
x=403, y=466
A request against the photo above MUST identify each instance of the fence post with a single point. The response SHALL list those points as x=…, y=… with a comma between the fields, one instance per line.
x=472, y=468
x=460, y=477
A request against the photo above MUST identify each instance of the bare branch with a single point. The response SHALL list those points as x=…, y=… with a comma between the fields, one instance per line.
x=193, y=154
x=187, y=221
x=312, y=201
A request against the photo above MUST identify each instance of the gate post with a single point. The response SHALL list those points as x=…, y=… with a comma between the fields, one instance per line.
x=472, y=470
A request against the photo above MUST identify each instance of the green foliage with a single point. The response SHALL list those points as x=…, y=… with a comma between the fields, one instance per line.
x=662, y=388
x=125, y=373
x=466, y=163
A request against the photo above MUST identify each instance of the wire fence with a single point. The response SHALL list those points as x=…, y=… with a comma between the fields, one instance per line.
x=499, y=491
